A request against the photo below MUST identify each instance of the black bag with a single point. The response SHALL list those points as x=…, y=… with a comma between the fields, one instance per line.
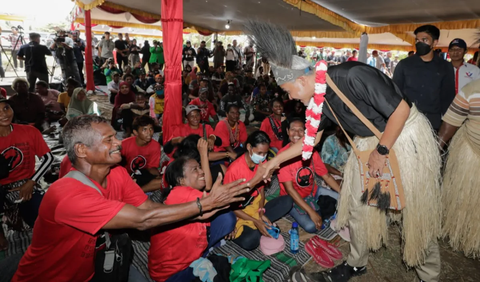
x=113, y=252
x=328, y=206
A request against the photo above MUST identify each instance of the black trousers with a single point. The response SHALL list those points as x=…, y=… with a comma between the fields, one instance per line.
x=80, y=72
x=122, y=60
x=32, y=77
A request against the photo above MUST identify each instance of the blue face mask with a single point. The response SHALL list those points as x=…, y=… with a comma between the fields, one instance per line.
x=160, y=92
x=257, y=159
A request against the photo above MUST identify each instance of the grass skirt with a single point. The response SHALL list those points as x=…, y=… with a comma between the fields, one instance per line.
x=419, y=162
x=461, y=195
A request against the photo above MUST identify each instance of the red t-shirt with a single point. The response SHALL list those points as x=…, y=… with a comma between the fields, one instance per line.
x=296, y=169
x=65, y=166
x=239, y=169
x=267, y=128
x=140, y=157
x=223, y=129
x=352, y=59
x=71, y=213
x=206, y=112
x=173, y=250
x=184, y=130
x=21, y=146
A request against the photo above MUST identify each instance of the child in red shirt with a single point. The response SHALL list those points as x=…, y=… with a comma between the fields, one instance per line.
x=141, y=154
x=206, y=107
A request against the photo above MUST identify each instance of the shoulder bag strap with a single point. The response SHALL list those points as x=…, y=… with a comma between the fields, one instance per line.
x=77, y=175
x=354, y=147
x=352, y=107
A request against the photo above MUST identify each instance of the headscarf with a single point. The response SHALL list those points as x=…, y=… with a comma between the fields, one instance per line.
x=121, y=99
x=77, y=107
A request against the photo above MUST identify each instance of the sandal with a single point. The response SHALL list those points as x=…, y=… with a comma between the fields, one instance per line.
x=330, y=249
x=318, y=254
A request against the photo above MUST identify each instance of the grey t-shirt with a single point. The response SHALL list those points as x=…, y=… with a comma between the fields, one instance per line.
x=107, y=47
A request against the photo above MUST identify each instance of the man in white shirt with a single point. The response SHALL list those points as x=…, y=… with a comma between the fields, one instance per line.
x=379, y=62
x=113, y=86
x=464, y=72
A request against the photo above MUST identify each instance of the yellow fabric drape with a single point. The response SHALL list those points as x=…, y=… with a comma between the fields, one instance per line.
x=90, y=5
x=327, y=15
x=153, y=16
x=355, y=45
x=127, y=24
x=13, y=18
x=123, y=24
x=399, y=28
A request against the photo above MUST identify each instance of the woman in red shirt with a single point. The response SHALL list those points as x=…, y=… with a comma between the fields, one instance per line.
x=272, y=125
x=173, y=248
x=253, y=220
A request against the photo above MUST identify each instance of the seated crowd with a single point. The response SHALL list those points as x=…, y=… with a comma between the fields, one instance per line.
x=212, y=156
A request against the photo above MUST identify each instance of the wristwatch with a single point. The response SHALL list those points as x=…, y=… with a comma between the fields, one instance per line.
x=382, y=150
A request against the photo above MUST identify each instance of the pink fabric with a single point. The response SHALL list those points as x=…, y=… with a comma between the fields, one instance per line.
x=172, y=24
x=270, y=246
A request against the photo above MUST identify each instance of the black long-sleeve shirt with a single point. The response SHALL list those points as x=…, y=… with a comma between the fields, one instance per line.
x=429, y=85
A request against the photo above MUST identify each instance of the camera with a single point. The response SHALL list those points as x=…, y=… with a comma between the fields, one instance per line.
x=59, y=39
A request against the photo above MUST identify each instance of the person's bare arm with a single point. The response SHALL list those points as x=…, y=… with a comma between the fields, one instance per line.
x=202, y=147
x=154, y=185
x=143, y=219
x=446, y=133
x=154, y=171
x=333, y=170
x=265, y=170
x=331, y=182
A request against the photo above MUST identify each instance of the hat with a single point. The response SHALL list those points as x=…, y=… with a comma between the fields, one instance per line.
x=158, y=76
x=270, y=246
x=231, y=84
x=459, y=43
x=3, y=93
x=188, y=42
x=190, y=108
x=4, y=100
x=115, y=73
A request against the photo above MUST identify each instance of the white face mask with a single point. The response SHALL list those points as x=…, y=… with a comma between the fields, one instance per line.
x=257, y=159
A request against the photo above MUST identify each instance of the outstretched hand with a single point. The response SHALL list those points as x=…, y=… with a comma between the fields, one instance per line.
x=222, y=195
x=264, y=172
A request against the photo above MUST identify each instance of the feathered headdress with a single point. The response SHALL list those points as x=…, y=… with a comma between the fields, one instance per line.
x=276, y=44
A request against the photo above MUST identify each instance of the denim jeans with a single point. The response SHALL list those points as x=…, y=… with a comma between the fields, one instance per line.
x=222, y=225
x=274, y=210
x=304, y=219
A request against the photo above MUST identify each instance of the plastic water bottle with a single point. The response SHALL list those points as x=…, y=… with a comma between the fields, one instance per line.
x=294, y=238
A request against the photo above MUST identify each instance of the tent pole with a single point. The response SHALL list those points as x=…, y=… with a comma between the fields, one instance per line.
x=88, y=52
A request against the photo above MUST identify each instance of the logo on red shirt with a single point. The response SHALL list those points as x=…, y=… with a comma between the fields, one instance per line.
x=138, y=162
x=14, y=157
x=304, y=177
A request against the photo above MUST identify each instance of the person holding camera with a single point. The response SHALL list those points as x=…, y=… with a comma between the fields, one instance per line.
x=156, y=54
x=63, y=47
x=78, y=49
x=34, y=54
x=110, y=69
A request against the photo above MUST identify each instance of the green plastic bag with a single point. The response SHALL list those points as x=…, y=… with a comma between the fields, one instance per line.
x=246, y=270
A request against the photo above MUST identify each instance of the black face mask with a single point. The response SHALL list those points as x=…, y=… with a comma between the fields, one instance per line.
x=422, y=48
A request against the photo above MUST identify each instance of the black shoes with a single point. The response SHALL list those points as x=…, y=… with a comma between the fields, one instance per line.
x=341, y=273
